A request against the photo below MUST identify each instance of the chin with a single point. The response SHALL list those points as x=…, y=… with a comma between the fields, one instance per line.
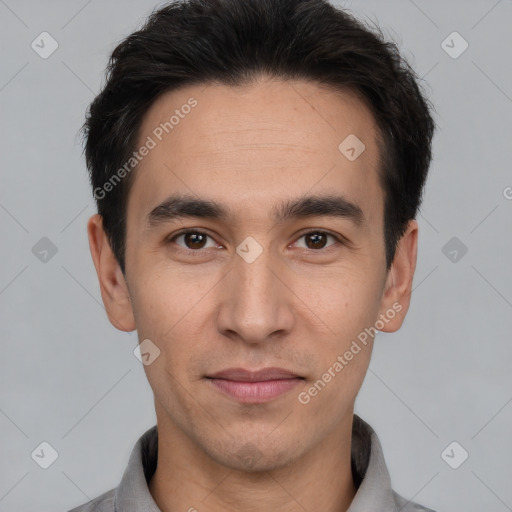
x=253, y=457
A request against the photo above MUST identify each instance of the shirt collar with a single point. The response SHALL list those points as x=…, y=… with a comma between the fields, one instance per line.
x=369, y=469
x=368, y=465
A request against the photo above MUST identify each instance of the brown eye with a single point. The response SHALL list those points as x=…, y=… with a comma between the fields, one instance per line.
x=316, y=240
x=193, y=240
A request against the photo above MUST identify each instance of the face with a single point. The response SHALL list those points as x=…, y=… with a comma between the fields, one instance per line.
x=283, y=267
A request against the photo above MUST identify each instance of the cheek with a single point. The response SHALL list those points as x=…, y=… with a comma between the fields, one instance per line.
x=170, y=313
x=340, y=309
x=330, y=396
x=169, y=301
x=342, y=301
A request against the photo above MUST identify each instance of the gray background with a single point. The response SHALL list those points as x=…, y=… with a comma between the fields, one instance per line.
x=69, y=378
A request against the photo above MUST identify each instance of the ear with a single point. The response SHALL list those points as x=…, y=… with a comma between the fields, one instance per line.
x=114, y=290
x=396, y=295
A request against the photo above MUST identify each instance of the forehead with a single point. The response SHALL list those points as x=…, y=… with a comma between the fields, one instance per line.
x=256, y=145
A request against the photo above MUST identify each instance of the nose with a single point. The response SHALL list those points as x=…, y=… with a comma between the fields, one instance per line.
x=256, y=302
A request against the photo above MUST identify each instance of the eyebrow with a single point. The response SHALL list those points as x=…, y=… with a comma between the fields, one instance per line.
x=185, y=206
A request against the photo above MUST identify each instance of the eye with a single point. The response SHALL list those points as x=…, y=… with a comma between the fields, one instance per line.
x=196, y=240
x=317, y=240
x=193, y=240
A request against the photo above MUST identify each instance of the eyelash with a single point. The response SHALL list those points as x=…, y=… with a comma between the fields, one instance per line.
x=339, y=239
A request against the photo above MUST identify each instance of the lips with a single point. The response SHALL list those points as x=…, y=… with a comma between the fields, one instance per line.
x=254, y=387
x=242, y=375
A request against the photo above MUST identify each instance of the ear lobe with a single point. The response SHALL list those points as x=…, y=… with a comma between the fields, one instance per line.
x=113, y=286
x=396, y=296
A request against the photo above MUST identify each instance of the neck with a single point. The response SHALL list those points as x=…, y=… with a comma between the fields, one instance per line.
x=186, y=479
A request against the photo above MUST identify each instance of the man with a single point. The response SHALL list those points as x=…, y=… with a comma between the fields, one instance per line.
x=258, y=166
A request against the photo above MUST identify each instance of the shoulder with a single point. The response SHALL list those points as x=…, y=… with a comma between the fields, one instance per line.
x=409, y=506
x=103, y=503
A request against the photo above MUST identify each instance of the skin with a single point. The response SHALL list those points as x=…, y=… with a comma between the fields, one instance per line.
x=295, y=307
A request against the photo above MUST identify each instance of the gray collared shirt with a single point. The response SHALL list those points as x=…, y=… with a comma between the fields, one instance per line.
x=371, y=476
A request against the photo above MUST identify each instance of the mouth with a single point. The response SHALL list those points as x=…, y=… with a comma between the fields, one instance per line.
x=254, y=387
